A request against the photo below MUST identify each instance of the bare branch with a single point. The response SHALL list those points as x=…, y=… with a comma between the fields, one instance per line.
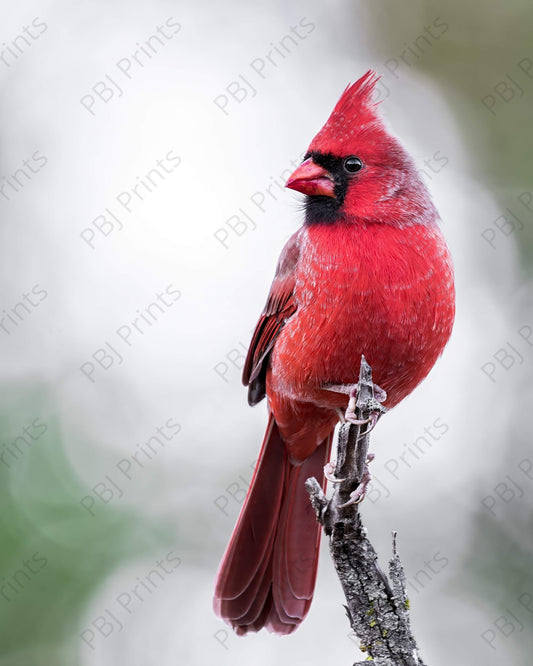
x=377, y=605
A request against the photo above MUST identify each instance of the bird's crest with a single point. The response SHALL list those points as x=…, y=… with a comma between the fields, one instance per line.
x=355, y=112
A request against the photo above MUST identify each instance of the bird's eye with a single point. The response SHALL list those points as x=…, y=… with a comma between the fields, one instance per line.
x=352, y=164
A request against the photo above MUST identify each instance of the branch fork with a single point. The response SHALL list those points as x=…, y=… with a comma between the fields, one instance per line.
x=376, y=604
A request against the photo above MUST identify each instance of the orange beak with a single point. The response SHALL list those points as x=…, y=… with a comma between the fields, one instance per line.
x=311, y=179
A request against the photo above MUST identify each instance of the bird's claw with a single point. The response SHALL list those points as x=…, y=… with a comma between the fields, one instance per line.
x=359, y=493
x=372, y=419
x=329, y=472
x=379, y=396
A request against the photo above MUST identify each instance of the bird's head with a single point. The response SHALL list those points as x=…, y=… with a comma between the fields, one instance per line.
x=354, y=170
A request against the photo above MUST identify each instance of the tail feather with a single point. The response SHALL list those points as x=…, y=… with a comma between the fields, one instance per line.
x=239, y=569
x=298, y=542
x=268, y=572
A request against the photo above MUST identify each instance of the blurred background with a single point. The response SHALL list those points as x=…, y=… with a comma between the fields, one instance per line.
x=143, y=150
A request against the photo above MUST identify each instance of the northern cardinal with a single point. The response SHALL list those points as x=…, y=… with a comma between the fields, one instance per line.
x=368, y=273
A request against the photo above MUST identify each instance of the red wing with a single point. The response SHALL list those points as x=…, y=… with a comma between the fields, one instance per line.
x=279, y=307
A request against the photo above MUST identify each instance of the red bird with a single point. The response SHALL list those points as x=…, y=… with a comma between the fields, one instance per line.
x=368, y=273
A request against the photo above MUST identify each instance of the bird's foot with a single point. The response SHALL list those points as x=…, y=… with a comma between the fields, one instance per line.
x=358, y=495
x=329, y=472
x=349, y=417
x=379, y=396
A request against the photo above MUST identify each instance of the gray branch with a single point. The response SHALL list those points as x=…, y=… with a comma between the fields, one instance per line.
x=377, y=605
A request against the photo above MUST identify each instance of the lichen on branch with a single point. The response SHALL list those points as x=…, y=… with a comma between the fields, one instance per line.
x=376, y=604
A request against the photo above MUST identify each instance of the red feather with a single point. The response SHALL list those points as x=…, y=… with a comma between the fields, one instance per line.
x=279, y=307
x=267, y=575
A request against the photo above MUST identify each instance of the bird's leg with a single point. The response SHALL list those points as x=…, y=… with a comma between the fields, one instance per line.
x=358, y=495
x=340, y=414
x=379, y=395
x=351, y=390
x=349, y=415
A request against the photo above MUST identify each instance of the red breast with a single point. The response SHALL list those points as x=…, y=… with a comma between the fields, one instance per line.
x=371, y=289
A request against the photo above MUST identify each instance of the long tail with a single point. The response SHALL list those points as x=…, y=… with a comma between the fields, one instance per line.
x=268, y=572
